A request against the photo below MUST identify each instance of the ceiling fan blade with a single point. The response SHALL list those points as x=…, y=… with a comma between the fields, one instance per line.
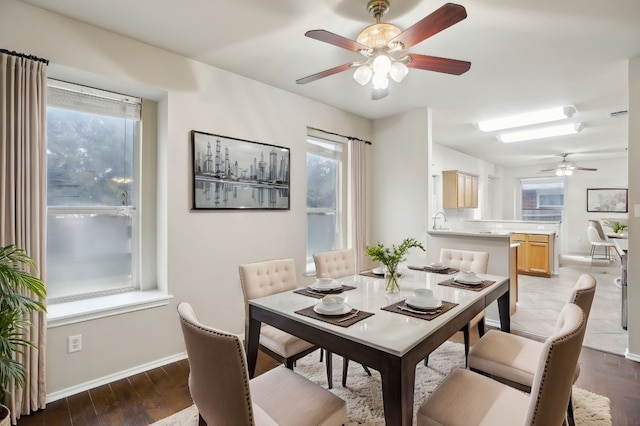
x=434, y=63
x=432, y=24
x=322, y=74
x=377, y=94
x=336, y=40
x=548, y=170
x=586, y=169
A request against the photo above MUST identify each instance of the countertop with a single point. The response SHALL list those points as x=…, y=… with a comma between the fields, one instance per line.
x=486, y=233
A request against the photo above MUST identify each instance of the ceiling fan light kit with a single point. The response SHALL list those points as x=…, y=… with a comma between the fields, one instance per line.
x=381, y=44
x=565, y=168
x=535, y=117
x=540, y=133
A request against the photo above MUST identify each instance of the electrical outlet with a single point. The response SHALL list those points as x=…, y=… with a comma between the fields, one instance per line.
x=75, y=343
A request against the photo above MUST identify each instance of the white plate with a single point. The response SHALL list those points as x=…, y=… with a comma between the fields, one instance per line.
x=469, y=281
x=437, y=267
x=333, y=286
x=378, y=271
x=318, y=309
x=432, y=303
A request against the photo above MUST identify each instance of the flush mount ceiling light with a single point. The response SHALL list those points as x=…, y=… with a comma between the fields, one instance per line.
x=536, y=117
x=540, y=133
x=382, y=45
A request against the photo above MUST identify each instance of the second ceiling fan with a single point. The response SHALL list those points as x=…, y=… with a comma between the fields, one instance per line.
x=565, y=168
x=383, y=44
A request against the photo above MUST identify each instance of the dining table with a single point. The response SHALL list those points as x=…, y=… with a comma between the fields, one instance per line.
x=381, y=336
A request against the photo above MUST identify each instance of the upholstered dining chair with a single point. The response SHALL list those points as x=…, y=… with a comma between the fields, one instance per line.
x=464, y=260
x=513, y=359
x=469, y=398
x=261, y=279
x=599, y=243
x=337, y=264
x=223, y=394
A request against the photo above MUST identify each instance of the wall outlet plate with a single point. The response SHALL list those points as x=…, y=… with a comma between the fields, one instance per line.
x=75, y=343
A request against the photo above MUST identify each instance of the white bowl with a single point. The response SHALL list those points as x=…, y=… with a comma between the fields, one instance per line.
x=424, y=302
x=467, y=276
x=422, y=293
x=437, y=266
x=332, y=302
x=325, y=282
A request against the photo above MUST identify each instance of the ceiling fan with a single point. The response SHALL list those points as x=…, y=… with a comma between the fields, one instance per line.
x=383, y=44
x=565, y=168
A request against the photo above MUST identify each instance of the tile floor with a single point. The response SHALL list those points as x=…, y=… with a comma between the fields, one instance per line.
x=541, y=299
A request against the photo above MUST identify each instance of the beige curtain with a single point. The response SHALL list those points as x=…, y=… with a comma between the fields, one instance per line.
x=358, y=198
x=23, y=103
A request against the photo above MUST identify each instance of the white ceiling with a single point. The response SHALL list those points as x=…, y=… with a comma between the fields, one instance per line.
x=525, y=55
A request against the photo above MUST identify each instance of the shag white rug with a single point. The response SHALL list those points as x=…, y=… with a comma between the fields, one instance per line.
x=364, y=394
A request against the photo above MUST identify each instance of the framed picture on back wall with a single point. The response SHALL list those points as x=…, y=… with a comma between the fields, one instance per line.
x=230, y=173
x=607, y=200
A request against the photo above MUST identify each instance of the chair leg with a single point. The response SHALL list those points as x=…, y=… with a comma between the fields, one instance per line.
x=570, y=420
x=366, y=369
x=465, y=332
x=481, y=327
x=329, y=370
x=321, y=353
x=289, y=363
x=426, y=361
x=345, y=368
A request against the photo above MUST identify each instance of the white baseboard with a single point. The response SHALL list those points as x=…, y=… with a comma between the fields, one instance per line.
x=54, y=396
x=632, y=357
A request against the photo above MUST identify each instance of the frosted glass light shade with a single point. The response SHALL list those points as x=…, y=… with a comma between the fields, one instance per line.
x=380, y=81
x=362, y=74
x=398, y=71
x=381, y=64
x=540, y=133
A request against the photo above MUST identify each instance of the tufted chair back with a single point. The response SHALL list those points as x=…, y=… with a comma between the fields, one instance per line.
x=265, y=278
x=474, y=261
x=218, y=378
x=554, y=375
x=335, y=263
x=583, y=292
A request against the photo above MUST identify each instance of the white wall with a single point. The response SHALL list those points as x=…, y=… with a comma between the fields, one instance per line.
x=633, y=276
x=611, y=173
x=198, y=252
x=400, y=177
x=448, y=159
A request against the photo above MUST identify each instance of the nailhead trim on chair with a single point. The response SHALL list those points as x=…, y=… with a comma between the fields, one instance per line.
x=239, y=348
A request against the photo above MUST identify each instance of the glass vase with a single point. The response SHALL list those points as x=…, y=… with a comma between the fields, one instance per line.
x=391, y=275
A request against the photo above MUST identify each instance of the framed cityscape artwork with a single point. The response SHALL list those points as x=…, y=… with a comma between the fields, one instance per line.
x=607, y=200
x=230, y=173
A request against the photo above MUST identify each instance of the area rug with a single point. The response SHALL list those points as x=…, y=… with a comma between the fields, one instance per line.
x=364, y=396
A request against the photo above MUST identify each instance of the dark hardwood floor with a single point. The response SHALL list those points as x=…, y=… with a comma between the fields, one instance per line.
x=147, y=397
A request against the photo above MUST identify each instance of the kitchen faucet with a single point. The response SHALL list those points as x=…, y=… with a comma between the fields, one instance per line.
x=435, y=217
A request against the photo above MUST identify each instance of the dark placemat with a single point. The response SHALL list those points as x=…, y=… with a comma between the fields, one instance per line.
x=479, y=287
x=307, y=291
x=446, y=306
x=371, y=274
x=446, y=271
x=333, y=319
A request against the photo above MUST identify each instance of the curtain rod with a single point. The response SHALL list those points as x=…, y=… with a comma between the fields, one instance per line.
x=342, y=136
x=22, y=55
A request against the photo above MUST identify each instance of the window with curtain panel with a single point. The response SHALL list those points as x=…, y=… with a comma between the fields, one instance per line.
x=93, y=145
x=325, y=192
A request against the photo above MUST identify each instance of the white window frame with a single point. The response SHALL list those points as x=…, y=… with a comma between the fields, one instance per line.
x=326, y=147
x=147, y=293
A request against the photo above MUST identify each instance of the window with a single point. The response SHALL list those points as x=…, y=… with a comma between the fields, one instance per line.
x=542, y=199
x=93, y=138
x=324, y=197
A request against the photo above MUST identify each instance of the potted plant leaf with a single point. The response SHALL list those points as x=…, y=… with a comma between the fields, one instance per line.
x=617, y=227
x=391, y=258
x=20, y=293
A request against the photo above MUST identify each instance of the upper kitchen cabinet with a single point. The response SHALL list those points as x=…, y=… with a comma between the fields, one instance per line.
x=459, y=189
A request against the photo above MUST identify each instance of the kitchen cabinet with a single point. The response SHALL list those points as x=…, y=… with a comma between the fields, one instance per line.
x=535, y=253
x=459, y=189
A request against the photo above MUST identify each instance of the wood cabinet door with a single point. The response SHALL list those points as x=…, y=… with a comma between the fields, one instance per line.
x=538, y=257
x=449, y=190
x=462, y=191
x=522, y=251
x=474, y=192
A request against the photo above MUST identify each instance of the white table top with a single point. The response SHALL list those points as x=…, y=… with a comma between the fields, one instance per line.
x=387, y=331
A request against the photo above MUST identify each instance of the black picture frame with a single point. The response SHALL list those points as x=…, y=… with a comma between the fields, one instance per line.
x=230, y=173
x=611, y=200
